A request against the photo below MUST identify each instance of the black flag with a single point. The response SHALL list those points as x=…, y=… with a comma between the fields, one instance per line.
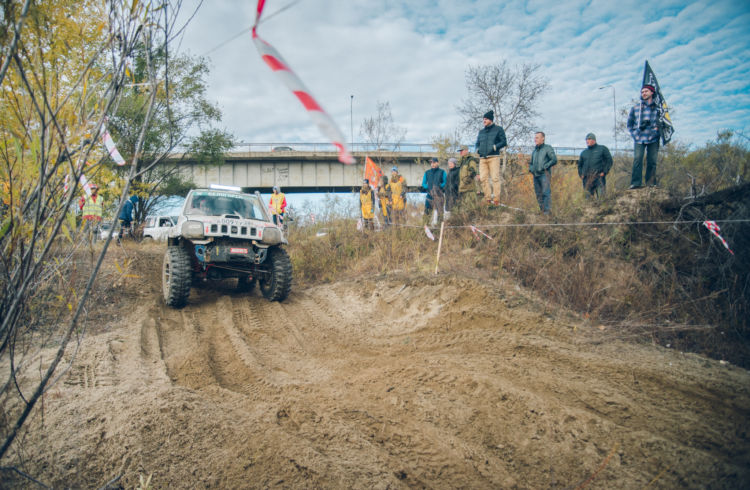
x=665, y=123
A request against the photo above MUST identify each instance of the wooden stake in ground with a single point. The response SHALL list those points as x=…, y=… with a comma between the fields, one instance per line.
x=440, y=243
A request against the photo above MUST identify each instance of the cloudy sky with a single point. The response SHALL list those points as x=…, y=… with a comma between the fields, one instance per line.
x=414, y=55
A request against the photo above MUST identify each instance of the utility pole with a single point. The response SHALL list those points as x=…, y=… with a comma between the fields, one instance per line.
x=614, y=110
x=351, y=122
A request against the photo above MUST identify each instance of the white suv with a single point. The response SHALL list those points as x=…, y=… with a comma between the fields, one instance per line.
x=158, y=227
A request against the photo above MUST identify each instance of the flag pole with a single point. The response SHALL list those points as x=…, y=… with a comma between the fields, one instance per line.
x=440, y=244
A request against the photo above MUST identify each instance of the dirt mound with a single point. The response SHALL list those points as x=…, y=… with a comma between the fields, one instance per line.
x=378, y=383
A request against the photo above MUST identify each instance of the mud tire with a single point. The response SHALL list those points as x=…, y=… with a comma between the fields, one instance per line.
x=276, y=285
x=176, y=276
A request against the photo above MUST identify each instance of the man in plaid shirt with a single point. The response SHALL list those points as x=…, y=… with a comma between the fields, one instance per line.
x=643, y=125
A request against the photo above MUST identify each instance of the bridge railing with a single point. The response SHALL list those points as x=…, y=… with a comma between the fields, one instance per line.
x=420, y=148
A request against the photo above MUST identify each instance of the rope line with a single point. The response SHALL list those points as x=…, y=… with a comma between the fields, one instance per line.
x=614, y=223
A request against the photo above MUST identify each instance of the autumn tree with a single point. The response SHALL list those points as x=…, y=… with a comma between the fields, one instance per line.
x=381, y=132
x=63, y=72
x=512, y=92
x=182, y=125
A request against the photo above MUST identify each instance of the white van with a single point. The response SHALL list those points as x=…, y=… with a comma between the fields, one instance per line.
x=157, y=227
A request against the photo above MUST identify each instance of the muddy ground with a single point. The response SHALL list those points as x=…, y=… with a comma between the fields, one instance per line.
x=384, y=382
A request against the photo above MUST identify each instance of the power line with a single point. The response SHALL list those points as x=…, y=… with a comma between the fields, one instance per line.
x=247, y=29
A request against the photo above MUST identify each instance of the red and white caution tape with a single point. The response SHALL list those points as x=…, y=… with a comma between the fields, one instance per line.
x=111, y=148
x=429, y=233
x=277, y=64
x=714, y=228
x=85, y=184
x=476, y=230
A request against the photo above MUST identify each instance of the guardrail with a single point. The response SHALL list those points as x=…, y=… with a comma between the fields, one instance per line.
x=426, y=148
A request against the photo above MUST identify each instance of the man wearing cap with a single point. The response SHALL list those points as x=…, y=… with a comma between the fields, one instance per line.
x=278, y=206
x=490, y=140
x=543, y=158
x=398, y=197
x=367, y=205
x=643, y=125
x=433, y=184
x=593, y=166
x=467, y=175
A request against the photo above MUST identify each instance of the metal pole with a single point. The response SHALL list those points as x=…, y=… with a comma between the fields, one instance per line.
x=351, y=122
x=614, y=110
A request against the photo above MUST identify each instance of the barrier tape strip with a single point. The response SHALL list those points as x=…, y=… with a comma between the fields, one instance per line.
x=276, y=63
x=111, y=148
x=714, y=228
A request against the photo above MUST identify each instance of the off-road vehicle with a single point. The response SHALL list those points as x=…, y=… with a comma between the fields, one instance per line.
x=223, y=234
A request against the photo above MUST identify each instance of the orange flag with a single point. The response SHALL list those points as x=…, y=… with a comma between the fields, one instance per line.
x=372, y=172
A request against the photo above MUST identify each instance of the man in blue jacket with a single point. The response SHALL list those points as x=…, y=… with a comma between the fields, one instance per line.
x=433, y=184
x=126, y=216
x=490, y=140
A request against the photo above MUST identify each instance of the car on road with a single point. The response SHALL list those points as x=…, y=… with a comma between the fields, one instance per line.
x=105, y=229
x=158, y=227
x=282, y=148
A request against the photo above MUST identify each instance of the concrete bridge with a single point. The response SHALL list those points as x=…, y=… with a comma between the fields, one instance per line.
x=314, y=169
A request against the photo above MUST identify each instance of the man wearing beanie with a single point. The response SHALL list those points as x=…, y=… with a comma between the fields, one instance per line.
x=643, y=125
x=490, y=140
x=593, y=166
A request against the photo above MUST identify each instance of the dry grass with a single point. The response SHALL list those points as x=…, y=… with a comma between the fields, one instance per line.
x=640, y=279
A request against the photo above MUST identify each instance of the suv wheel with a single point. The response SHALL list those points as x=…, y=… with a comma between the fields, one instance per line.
x=176, y=276
x=276, y=284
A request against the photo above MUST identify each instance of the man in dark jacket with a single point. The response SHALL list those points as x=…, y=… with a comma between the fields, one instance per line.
x=451, y=186
x=490, y=140
x=593, y=166
x=433, y=184
x=542, y=159
x=126, y=216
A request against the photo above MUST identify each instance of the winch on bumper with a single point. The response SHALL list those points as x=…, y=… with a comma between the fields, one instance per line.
x=231, y=252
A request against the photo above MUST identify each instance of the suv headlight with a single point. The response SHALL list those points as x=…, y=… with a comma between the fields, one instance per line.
x=271, y=236
x=192, y=229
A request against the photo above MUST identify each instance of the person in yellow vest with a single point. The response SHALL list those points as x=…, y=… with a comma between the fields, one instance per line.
x=367, y=205
x=398, y=197
x=384, y=196
x=278, y=206
x=91, y=209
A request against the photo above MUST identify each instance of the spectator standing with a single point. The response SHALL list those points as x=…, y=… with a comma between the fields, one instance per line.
x=433, y=184
x=593, y=166
x=643, y=125
x=468, y=173
x=278, y=206
x=451, y=185
x=543, y=158
x=126, y=215
x=91, y=208
x=398, y=196
x=367, y=205
x=384, y=197
x=490, y=140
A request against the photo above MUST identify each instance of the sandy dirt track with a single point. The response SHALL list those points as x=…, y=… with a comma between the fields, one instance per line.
x=391, y=382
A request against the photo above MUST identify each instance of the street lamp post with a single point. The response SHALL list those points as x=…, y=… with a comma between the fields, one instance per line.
x=614, y=110
x=351, y=122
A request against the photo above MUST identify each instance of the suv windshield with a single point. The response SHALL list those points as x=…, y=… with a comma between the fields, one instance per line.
x=217, y=203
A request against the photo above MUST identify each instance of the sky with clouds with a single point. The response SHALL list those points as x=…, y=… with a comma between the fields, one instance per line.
x=414, y=55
